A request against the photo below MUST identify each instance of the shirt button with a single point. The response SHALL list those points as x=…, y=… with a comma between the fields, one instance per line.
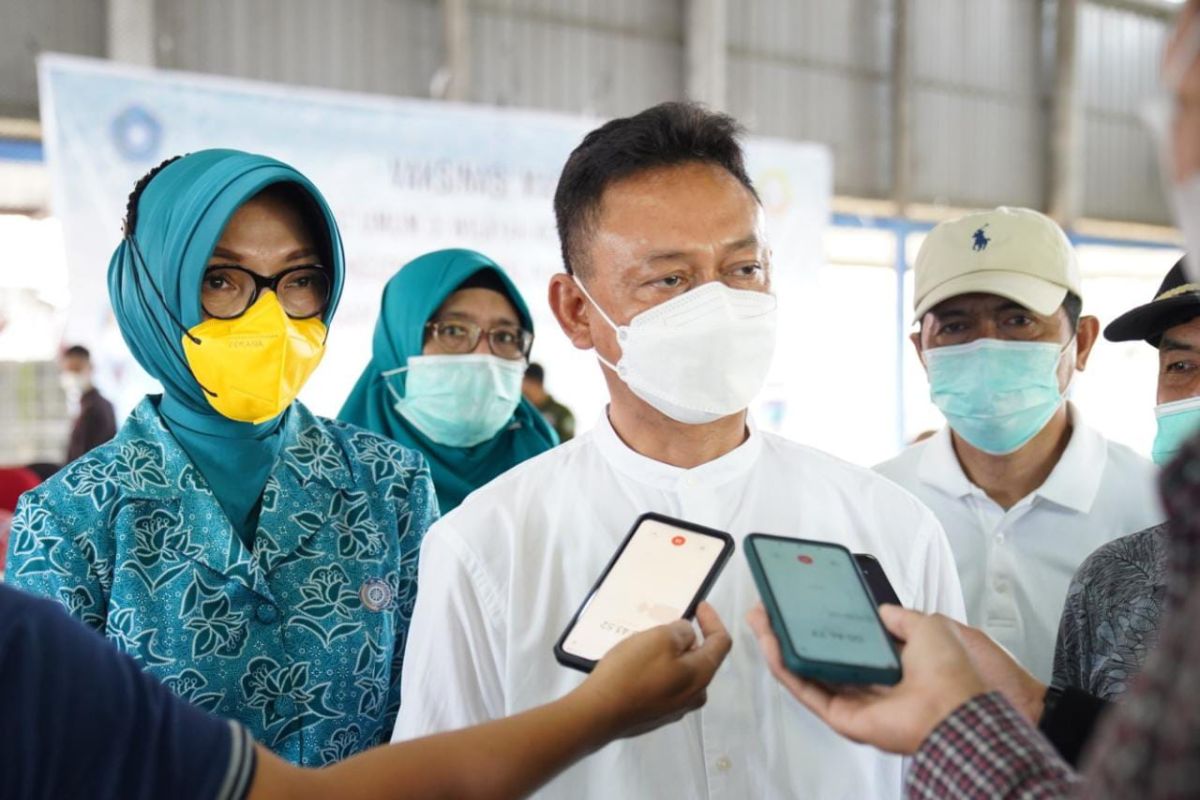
x=724, y=764
x=267, y=614
x=1001, y=585
x=999, y=538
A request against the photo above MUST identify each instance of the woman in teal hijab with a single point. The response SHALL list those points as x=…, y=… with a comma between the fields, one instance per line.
x=258, y=560
x=450, y=349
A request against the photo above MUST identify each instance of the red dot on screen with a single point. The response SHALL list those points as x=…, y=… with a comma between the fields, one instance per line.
x=678, y=540
x=804, y=559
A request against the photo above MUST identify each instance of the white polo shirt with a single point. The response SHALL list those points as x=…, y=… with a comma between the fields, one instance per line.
x=502, y=574
x=1015, y=565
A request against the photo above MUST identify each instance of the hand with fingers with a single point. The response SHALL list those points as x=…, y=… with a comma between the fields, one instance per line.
x=939, y=676
x=657, y=676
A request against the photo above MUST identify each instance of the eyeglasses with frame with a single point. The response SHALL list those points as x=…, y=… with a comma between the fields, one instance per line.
x=228, y=291
x=462, y=336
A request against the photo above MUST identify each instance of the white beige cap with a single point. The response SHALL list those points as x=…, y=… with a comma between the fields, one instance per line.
x=1016, y=253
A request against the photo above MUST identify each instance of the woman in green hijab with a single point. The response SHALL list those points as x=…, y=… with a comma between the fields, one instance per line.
x=450, y=350
x=258, y=560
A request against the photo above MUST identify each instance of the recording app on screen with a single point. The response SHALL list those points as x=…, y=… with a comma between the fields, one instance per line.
x=653, y=582
x=826, y=611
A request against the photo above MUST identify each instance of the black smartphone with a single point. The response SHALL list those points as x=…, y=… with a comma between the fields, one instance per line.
x=660, y=573
x=877, y=579
x=821, y=610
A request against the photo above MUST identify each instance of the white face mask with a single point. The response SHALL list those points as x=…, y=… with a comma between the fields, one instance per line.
x=700, y=356
x=1184, y=194
x=74, y=384
x=459, y=400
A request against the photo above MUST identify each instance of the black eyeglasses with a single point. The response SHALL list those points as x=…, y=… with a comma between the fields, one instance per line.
x=228, y=291
x=462, y=337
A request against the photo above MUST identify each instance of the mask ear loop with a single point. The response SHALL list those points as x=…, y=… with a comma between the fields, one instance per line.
x=1066, y=392
x=396, y=398
x=140, y=262
x=621, y=335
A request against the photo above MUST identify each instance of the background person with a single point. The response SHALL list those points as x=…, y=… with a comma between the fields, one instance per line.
x=1024, y=488
x=1114, y=605
x=95, y=423
x=555, y=413
x=449, y=353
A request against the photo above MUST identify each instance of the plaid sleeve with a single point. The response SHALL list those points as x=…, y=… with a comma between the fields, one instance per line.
x=985, y=749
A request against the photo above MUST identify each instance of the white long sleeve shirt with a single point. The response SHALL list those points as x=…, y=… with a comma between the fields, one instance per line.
x=1015, y=564
x=501, y=576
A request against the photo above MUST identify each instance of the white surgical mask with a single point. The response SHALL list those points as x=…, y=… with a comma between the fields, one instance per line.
x=700, y=356
x=74, y=384
x=458, y=400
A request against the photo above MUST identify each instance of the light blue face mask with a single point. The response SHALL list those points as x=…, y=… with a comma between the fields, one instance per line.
x=996, y=394
x=1177, y=422
x=458, y=401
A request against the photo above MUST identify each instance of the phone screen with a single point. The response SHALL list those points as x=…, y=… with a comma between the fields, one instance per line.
x=826, y=610
x=655, y=579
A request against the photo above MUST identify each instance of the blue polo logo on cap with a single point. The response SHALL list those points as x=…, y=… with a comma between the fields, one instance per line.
x=981, y=240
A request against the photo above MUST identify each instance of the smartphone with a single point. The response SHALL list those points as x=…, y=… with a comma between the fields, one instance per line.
x=877, y=579
x=660, y=573
x=822, y=611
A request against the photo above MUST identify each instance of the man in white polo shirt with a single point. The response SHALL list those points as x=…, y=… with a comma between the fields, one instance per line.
x=1024, y=489
x=670, y=284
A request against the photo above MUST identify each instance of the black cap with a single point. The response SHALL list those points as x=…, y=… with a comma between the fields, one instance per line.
x=1177, y=301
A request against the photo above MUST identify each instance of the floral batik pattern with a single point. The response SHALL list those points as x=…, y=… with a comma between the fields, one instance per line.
x=300, y=637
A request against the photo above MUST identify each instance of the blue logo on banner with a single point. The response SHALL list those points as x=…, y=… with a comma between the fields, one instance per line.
x=136, y=134
x=981, y=240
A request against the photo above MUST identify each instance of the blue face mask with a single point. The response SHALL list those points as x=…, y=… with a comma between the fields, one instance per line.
x=1177, y=422
x=459, y=401
x=996, y=394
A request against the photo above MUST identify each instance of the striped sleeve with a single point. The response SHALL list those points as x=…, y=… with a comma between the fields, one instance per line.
x=239, y=773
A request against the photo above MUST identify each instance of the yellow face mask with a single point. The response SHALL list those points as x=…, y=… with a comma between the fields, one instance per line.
x=252, y=367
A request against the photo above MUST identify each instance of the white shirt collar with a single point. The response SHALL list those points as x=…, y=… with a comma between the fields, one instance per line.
x=1073, y=483
x=649, y=472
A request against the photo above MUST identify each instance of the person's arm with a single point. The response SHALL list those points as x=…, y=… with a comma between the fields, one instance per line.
x=966, y=741
x=416, y=507
x=79, y=718
x=454, y=659
x=648, y=680
x=986, y=749
x=47, y=560
x=1065, y=715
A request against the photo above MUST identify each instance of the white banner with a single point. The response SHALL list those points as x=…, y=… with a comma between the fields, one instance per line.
x=404, y=177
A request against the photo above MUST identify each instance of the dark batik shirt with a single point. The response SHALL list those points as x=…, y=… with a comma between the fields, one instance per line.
x=1111, y=619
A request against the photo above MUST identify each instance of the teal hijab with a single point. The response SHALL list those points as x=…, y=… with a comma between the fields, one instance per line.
x=410, y=299
x=154, y=281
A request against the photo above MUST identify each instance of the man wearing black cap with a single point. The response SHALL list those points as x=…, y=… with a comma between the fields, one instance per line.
x=1115, y=601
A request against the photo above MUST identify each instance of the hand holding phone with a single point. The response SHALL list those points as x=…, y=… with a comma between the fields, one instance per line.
x=822, y=611
x=660, y=573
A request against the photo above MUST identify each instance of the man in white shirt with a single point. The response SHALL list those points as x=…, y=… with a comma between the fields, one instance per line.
x=1024, y=489
x=664, y=239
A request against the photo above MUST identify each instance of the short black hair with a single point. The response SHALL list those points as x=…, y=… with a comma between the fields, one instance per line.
x=1073, y=305
x=535, y=373
x=77, y=351
x=664, y=135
